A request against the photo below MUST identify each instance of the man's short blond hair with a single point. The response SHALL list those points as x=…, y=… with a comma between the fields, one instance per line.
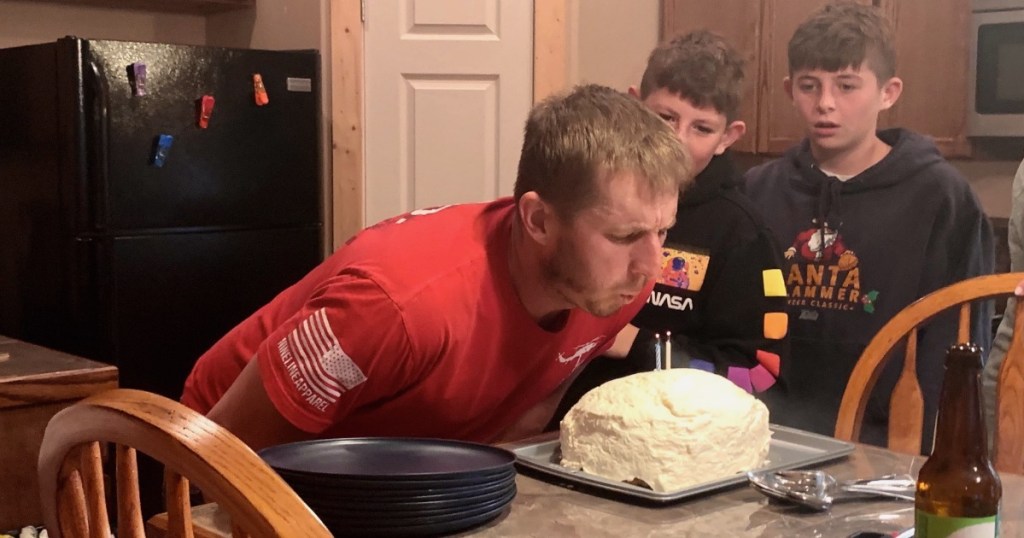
x=576, y=140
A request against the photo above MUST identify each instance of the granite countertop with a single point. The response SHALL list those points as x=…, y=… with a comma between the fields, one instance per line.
x=541, y=509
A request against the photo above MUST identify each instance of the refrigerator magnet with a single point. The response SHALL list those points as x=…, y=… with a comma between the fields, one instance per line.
x=137, y=78
x=160, y=149
x=204, y=111
x=259, y=91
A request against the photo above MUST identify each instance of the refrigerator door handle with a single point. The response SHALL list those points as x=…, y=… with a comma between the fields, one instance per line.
x=94, y=197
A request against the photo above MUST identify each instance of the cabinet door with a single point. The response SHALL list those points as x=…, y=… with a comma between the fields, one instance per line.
x=742, y=29
x=779, y=127
x=931, y=58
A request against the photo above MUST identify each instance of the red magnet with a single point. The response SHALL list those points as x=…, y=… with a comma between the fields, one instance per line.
x=259, y=91
x=205, y=111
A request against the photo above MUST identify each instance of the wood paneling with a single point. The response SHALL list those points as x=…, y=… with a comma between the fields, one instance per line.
x=931, y=58
x=346, y=120
x=550, y=48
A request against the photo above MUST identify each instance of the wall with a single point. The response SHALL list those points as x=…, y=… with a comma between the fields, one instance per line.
x=272, y=24
x=26, y=23
x=991, y=181
x=610, y=39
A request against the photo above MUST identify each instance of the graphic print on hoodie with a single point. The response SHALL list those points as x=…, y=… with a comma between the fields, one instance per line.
x=824, y=274
x=857, y=252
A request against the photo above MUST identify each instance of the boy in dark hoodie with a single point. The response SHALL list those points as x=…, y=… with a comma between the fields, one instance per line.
x=870, y=221
x=720, y=293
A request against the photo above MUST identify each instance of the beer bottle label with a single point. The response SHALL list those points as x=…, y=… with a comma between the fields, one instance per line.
x=932, y=526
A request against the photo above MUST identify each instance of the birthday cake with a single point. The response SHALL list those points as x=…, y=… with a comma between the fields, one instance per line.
x=667, y=429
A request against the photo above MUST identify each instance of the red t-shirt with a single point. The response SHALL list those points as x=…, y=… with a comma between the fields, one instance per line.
x=411, y=329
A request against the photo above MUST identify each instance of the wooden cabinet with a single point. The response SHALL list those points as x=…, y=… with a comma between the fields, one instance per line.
x=932, y=55
x=760, y=31
x=35, y=383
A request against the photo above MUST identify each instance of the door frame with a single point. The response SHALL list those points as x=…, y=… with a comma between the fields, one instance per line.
x=550, y=74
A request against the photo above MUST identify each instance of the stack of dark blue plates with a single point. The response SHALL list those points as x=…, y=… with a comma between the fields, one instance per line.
x=397, y=486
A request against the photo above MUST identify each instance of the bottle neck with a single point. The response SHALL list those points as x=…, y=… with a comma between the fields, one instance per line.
x=961, y=424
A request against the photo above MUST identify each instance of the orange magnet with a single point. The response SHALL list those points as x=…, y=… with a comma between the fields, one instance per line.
x=259, y=91
x=205, y=111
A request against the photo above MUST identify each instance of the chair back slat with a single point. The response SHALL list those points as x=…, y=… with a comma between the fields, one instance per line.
x=129, y=507
x=92, y=483
x=905, y=419
x=1010, y=395
x=963, y=332
x=1009, y=427
x=74, y=519
x=191, y=447
x=179, y=509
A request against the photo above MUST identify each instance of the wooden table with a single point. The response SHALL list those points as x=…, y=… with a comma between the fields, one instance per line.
x=35, y=383
x=541, y=509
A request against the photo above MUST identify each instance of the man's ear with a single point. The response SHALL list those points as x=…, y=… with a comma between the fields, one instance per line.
x=733, y=132
x=891, y=91
x=787, y=84
x=633, y=92
x=537, y=217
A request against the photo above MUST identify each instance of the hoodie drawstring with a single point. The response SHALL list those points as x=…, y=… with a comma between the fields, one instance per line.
x=829, y=203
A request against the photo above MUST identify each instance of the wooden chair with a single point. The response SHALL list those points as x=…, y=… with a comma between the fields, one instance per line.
x=906, y=419
x=190, y=446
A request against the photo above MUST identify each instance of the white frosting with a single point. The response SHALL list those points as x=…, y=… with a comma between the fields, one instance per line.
x=670, y=428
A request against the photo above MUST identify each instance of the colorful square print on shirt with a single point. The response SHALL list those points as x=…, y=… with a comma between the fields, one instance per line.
x=683, y=269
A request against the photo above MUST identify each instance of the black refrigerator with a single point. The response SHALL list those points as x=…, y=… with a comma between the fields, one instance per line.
x=152, y=196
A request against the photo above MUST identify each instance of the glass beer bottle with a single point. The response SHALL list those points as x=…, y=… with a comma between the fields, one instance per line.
x=958, y=490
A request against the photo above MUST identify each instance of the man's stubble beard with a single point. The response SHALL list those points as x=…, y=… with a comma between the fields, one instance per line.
x=562, y=274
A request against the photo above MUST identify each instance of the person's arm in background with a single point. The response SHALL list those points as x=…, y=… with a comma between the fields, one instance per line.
x=535, y=419
x=1015, y=238
x=623, y=342
x=246, y=411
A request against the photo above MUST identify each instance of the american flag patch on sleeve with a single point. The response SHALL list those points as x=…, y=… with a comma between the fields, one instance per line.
x=315, y=362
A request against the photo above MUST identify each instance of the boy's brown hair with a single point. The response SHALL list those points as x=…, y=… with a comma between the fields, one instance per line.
x=700, y=67
x=576, y=140
x=844, y=34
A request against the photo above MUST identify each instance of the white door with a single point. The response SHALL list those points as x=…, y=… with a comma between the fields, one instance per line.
x=448, y=87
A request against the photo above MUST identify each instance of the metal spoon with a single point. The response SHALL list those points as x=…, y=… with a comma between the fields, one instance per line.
x=818, y=490
x=896, y=486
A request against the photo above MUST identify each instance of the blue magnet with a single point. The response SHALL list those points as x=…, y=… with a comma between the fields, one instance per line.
x=161, y=148
x=137, y=74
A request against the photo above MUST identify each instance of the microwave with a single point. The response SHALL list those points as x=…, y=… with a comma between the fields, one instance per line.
x=995, y=93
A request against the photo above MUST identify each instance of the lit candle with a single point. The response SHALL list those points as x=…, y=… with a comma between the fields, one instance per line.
x=668, y=350
x=657, y=351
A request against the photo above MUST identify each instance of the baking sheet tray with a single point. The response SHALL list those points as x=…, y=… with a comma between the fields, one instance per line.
x=789, y=449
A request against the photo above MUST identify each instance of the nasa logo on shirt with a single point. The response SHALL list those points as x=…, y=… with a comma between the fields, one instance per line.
x=683, y=268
